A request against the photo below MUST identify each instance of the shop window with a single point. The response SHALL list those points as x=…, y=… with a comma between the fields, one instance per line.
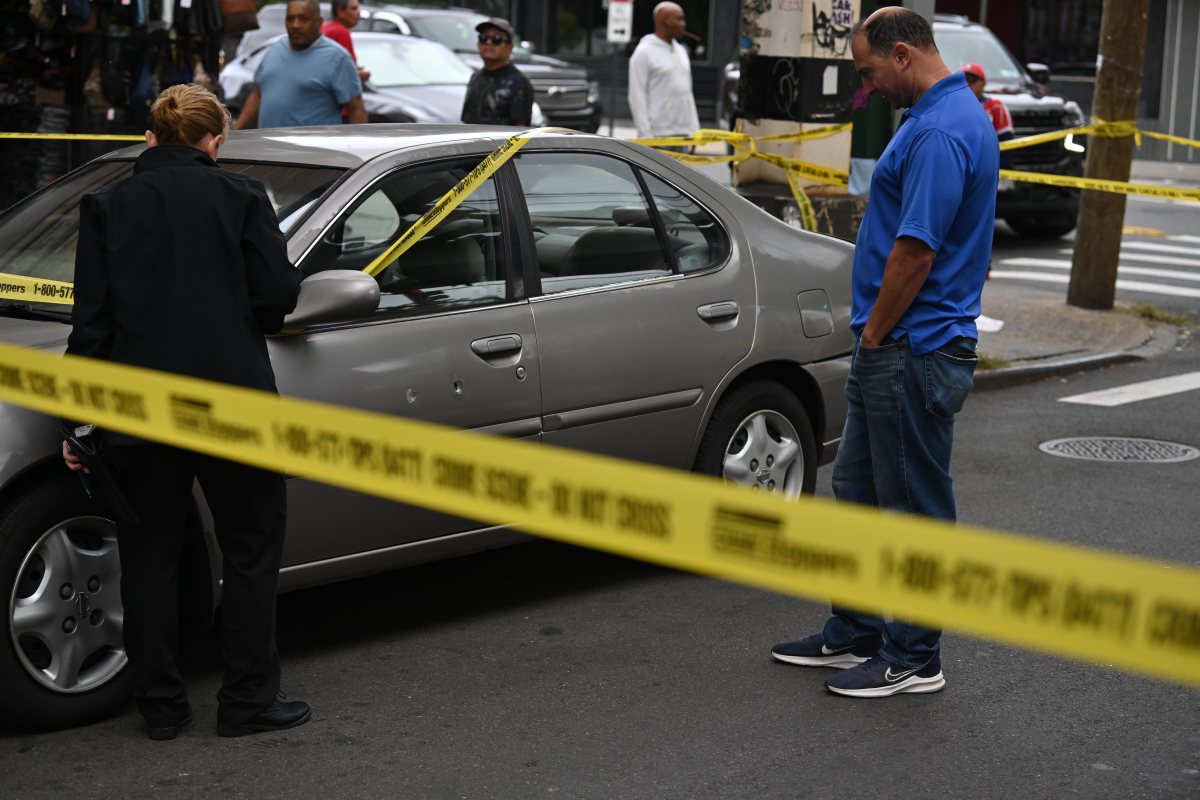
x=580, y=27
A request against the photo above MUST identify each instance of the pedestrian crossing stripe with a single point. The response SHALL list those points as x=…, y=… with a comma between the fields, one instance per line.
x=1058, y=263
x=1129, y=255
x=1135, y=392
x=1130, y=286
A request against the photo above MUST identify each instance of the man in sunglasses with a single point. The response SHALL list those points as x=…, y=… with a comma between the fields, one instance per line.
x=498, y=94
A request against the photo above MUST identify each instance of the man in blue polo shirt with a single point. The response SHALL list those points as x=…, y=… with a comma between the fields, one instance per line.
x=304, y=78
x=919, y=267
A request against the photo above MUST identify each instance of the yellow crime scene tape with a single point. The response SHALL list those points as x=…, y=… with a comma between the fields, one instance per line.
x=745, y=147
x=454, y=198
x=76, y=137
x=1121, y=611
x=1128, y=612
x=36, y=290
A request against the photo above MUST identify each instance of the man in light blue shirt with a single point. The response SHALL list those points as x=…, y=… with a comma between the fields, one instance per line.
x=304, y=79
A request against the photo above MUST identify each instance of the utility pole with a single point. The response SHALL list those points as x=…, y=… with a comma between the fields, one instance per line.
x=1102, y=214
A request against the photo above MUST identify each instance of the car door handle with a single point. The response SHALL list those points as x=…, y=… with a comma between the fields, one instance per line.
x=496, y=345
x=716, y=311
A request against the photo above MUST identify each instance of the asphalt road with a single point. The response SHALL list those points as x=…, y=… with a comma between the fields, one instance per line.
x=544, y=670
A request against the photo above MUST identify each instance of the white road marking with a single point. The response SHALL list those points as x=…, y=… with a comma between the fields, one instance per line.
x=1122, y=269
x=1132, y=393
x=1159, y=248
x=1183, y=237
x=1151, y=259
x=1129, y=286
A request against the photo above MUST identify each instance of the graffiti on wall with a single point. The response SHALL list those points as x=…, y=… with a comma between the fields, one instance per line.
x=832, y=21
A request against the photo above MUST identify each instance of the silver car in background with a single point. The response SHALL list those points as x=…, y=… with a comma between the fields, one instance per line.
x=592, y=294
x=412, y=79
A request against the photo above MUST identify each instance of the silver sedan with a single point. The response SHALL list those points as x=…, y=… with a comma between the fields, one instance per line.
x=592, y=294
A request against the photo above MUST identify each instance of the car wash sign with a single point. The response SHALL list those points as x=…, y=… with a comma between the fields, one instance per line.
x=620, y=21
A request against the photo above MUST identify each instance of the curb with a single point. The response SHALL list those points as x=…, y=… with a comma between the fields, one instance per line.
x=1162, y=340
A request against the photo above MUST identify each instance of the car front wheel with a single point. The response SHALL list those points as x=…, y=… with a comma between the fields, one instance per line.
x=760, y=437
x=62, y=660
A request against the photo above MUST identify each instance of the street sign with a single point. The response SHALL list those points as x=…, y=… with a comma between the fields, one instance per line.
x=620, y=21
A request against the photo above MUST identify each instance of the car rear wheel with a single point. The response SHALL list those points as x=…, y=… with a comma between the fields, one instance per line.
x=62, y=660
x=1051, y=226
x=760, y=437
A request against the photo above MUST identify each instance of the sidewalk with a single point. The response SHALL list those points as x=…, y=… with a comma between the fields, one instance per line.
x=1043, y=336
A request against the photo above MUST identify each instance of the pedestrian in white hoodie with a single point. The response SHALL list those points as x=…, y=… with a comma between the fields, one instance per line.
x=660, y=78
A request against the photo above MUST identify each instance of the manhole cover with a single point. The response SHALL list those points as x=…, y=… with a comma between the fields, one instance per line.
x=1119, y=448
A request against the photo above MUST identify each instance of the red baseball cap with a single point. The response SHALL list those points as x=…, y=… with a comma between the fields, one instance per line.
x=974, y=69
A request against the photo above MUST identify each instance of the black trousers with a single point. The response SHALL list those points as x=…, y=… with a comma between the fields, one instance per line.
x=249, y=508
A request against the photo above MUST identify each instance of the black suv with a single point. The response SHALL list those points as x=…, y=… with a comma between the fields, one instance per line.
x=566, y=93
x=1030, y=209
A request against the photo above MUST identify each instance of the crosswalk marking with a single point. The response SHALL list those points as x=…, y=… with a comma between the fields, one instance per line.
x=1129, y=286
x=1155, y=260
x=1133, y=392
x=1150, y=258
x=1158, y=248
x=1058, y=263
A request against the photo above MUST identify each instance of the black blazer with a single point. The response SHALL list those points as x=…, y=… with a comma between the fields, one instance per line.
x=181, y=267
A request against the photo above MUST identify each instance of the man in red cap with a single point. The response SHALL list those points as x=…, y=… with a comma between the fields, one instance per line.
x=1001, y=120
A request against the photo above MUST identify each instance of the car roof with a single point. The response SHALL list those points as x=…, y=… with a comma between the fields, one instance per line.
x=954, y=21
x=340, y=146
x=423, y=11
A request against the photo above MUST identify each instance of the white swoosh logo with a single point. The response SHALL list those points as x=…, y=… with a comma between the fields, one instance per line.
x=892, y=677
x=825, y=651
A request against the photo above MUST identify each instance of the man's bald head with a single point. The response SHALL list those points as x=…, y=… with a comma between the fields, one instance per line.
x=892, y=25
x=895, y=56
x=669, y=21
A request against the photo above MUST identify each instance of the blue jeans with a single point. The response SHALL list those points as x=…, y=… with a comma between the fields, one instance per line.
x=895, y=454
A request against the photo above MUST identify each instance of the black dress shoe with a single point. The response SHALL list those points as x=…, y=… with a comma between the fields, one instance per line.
x=281, y=715
x=163, y=733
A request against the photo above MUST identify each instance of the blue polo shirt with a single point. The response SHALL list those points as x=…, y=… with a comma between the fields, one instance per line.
x=936, y=182
x=305, y=87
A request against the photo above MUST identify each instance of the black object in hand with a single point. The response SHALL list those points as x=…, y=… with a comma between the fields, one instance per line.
x=99, y=482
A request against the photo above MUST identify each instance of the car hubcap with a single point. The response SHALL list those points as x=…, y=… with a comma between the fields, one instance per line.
x=65, y=611
x=764, y=453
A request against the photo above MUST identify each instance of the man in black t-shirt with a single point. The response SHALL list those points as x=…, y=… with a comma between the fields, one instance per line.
x=498, y=94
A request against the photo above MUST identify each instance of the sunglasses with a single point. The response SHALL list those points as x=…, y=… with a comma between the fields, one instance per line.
x=494, y=38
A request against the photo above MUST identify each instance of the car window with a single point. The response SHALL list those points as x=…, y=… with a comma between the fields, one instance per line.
x=695, y=239
x=978, y=45
x=410, y=62
x=37, y=236
x=459, y=264
x=591, y=223
x=456, y=31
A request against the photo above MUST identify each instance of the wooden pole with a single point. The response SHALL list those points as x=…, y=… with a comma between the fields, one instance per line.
x=1102, y=214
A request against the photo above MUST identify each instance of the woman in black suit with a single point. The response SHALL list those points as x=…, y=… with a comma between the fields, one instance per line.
x=182, y=268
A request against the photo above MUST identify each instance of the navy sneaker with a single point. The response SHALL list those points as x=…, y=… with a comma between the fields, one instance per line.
x=812, y=651
x=879, y=678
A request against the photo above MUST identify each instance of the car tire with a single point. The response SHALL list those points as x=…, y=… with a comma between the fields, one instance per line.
x=1051, y=226
x=759, y=436
x=62, y=658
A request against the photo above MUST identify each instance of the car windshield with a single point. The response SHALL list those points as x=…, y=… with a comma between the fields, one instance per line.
x=456, y=31
x=37, y=236
x=401, y=61
x=978, y=45
x=453, y=30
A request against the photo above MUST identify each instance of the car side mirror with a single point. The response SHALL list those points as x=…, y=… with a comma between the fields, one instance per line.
x=1039, y=72
x=335, y=295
